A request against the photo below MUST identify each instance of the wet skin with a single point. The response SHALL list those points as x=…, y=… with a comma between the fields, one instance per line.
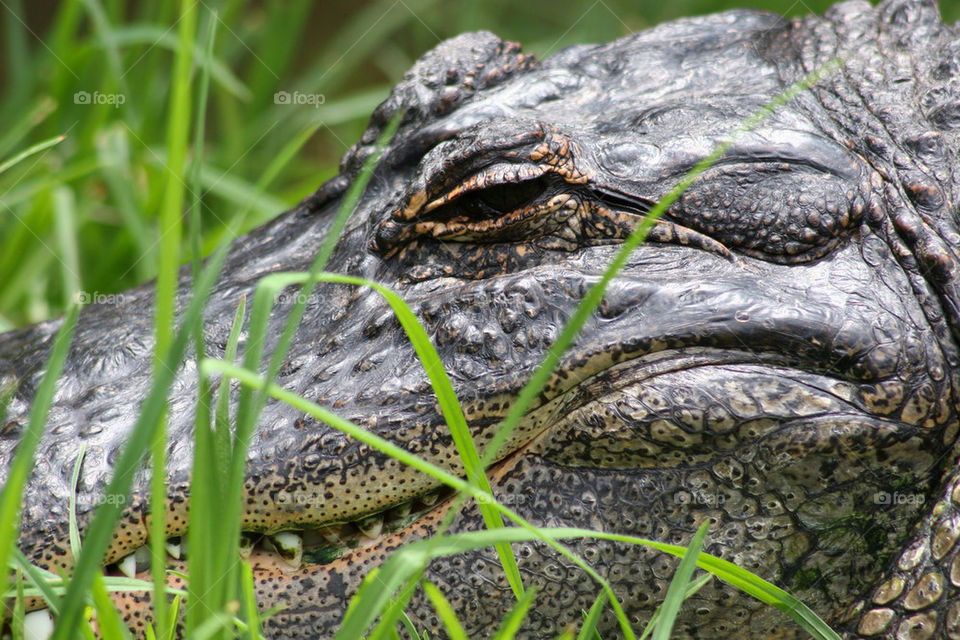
x=780, y=357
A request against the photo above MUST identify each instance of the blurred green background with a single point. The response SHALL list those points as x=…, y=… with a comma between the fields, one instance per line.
x=86, y=207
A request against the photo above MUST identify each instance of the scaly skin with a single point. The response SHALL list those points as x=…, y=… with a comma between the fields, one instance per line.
x=781, y=358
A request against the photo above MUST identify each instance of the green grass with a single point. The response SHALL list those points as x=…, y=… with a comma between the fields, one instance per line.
x=92, y=194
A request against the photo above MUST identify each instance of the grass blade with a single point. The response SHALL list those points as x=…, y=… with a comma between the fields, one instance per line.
x=692, y=588
x=443, y=388
x=25, y=122
x=222, y=416
x=678, y=586
x=251, y=613
x=396, y=607
x=41, y=580
x=178, y=127
x=592, y=618
x=50, y=586
x=107, y=619
x=408, y=625
x=175, y=615
x=207, y=489
x=199, y=128
x=511, y=623
x=74, y=529
x=32, y=150
x=19, y=608
x=65, y=222
x=100, y=531
x=445, y=612
x=23, y=458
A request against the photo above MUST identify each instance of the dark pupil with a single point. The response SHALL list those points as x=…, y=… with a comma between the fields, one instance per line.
x=504, y=198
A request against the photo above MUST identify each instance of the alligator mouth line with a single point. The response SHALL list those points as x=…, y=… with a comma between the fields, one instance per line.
x=289, y=550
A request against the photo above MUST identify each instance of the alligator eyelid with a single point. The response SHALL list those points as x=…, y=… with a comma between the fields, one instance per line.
x=484, y=180
x=621, y=200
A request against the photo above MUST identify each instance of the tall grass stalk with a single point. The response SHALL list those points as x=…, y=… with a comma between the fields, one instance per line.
x=23, y=459
x=206, y=603
x=166, y=291
x=26, y=153
x=99, y=532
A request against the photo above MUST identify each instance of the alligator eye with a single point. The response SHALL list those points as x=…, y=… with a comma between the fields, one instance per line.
x=511, y=211
x=500, y=199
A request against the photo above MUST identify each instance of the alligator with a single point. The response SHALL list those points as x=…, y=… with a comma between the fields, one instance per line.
x=780, y=358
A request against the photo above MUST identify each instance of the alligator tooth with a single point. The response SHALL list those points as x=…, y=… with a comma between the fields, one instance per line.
x=401, y=511
x=37, y=625
x=128, y=566
x=173, y=547
x=430, y=499
x=247, y=542
x=370, y=527
x=290, y=547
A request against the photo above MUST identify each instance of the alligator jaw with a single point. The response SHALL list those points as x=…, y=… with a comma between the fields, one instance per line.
x=334, y=558
x=344, y=549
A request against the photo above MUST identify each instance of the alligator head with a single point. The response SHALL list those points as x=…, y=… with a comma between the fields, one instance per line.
x=780, y=357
